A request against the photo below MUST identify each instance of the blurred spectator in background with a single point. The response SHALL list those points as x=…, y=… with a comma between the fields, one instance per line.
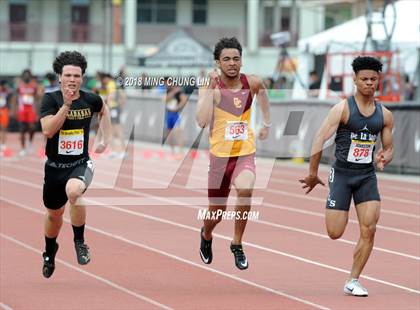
x=122, y=73
x=408, y=88
x=5, y=98
x=191, y=87
x=282, y=83
x=175, y=101
x=115, y=107
x=144, y=84
x=95, y=84
x=28, y=95
x=314, y=84
x=50, y=82
x=276, y=89
x=269, y=82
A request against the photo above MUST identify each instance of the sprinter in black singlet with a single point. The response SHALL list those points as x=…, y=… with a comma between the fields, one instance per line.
x=357, y=122
x=65, y=119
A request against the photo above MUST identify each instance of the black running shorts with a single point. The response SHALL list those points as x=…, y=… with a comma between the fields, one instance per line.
x=361, y=184
x=55, y=180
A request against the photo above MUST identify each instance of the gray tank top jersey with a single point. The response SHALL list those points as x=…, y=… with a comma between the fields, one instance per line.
x=355, y=141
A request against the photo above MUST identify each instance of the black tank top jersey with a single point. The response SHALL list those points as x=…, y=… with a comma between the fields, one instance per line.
x=355, y=141
x=71, y=142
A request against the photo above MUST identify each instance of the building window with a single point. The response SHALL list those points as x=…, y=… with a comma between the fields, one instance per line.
x=17, y=21
x=80, y=23
x=156, y=11
x=199, y=11
x=285, y=18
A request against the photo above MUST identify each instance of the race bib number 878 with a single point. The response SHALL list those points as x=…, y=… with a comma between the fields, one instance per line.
x=71, y=142
x=360, y=152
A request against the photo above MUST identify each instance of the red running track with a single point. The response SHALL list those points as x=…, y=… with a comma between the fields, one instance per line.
x=145, y=255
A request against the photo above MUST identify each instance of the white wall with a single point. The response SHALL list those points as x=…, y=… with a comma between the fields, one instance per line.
x=64, y=12
x=229, y=13
x=312, y=21
x=50, y=20
x=97, y=13
x=184, y=12
x=4, y=18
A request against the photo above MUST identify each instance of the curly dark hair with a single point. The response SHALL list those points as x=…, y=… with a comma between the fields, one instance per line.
x=226, y=43
x=73, y=58
x=366, y=63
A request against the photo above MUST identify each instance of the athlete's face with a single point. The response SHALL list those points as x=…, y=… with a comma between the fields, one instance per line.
x=26, y=76
x=366, y=82
x=230, y=62
x=71, y=78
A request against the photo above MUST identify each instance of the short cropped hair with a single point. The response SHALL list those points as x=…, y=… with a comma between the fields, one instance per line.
x=226, y=43
x=366, y=63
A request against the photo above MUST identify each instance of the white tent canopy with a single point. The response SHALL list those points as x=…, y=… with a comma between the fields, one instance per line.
x=350, y=35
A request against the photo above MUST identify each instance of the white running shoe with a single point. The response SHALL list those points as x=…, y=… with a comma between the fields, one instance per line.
x=29, y=148
x=353, y=287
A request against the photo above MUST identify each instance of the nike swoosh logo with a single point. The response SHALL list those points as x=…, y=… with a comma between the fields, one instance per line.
x=68, y=152
x=206, y=260
x=245, y=263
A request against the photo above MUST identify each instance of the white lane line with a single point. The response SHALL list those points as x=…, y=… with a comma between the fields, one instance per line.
x=201, y=179
x=5, y=307
x=294, y=209
x=180, y=259
x=89, y=274
x=182, y=204
x=273, y=251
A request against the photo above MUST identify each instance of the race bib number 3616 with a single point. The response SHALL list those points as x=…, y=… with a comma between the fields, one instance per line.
x=360, y=152
x=71, y=142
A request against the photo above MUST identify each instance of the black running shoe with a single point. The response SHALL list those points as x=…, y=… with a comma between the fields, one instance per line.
x=48, y=266
x=240, y=259
x=82, y=252
x=206, y=253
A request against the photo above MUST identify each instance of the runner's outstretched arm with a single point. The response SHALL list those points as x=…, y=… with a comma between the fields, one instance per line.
x=328, y=128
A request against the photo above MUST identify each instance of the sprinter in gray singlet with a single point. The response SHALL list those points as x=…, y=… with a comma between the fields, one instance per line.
x=357, y=122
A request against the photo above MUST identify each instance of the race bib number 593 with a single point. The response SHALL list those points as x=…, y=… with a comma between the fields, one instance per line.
x=71, y=142
x=236, y=131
